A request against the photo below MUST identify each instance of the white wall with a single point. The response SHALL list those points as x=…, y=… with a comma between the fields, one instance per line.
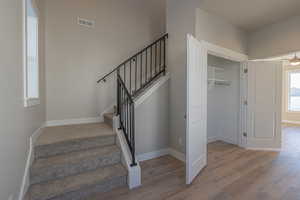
x=223, y=102
x=152, y=122
x=78, y=56
x=17, y=123
x=182, y=18
x=275, y=40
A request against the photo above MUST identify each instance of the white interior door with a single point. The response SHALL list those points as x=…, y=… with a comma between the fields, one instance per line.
x=196, y=119
x=264, y=105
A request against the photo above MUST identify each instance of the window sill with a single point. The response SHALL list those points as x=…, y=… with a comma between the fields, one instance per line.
x=31, y=102
x=293, y=112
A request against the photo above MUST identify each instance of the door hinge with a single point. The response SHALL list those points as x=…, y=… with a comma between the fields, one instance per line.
x=245, y=134
x=245, y=71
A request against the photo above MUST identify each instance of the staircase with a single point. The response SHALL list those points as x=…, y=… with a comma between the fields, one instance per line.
x=73, y=162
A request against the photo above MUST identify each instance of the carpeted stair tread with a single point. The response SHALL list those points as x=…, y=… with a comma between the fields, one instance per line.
x=81, y=185
x=65, y=139
x=58, y=134
x=63, y=165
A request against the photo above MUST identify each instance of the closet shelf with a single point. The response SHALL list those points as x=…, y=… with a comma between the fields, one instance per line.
x=217, y=68
x=219, y=82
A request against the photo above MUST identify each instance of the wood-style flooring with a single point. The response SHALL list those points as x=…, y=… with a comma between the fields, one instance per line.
x=232, y=173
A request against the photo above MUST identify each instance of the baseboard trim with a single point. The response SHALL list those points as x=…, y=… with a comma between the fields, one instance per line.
x=30, y=157
x=160, y=82
x=264, y=149
x=153, y=154
x=162, y=152
x=176, y=154
x=212, y=139
x=290, y=122
x=74, y=121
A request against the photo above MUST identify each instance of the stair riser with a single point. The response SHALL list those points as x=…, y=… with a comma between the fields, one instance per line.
x=86, y=191
x=44, y=151
x=59, y=171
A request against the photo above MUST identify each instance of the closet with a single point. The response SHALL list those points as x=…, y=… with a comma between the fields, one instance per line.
x=223, y=99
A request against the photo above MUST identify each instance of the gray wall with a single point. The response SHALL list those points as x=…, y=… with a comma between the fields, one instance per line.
x=152, y=122
x=275, y=40
x=216, y=30
x=182, y=18
x=78, y=56
x=17, y=123
x=180, y=21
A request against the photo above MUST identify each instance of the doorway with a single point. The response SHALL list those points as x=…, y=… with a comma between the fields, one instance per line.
x=291, y=106
x=223, y=100
x=236, y=100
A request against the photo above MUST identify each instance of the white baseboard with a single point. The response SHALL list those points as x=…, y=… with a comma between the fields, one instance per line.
x=162, y=152
x=141, y=98
x=290, y=122
x=176, y=154
x=29, y=161
x=264, y=149
x=212, y=139
x=74, y=121
x=153, y=154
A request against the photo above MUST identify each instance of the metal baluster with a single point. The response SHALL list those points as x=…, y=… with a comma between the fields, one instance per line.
x=130, y=79
x=133, y=136
x=125, y=73
x=127, y=113
x=146, y=79
x=135, y=73
x=151, y=60
x=159, y=56
x=155, y=58
x=164, y=55
x=141, y=71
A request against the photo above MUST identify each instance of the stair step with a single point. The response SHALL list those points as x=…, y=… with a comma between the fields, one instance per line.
x=66, y=139
x=80, y=186
x=45, y=169
x=108, y=118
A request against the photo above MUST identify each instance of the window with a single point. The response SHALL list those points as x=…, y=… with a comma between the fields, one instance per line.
x=31, y=61
x=294, y=91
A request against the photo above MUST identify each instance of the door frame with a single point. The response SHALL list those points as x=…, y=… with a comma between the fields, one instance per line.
x=229, y=54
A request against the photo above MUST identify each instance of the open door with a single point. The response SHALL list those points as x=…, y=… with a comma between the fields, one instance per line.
x=196, y=118
x=264, y=105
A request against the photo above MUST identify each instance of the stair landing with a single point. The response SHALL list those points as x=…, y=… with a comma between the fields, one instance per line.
x=73, y=132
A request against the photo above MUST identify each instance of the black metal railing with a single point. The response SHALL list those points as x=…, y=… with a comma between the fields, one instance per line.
x=125, y=110
x=142, y=68
x=133, y=76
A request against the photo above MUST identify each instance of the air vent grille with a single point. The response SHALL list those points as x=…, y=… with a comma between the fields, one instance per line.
x=86, y=22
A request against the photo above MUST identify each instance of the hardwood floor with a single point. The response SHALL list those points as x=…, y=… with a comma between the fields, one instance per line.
x=232, y=173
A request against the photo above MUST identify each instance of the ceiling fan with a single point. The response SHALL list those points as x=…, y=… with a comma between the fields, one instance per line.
x=294, y=61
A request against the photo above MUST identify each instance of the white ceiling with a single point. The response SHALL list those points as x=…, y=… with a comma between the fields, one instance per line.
x=251, y=15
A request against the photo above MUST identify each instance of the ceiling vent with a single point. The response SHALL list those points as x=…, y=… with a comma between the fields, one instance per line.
x=86, y=22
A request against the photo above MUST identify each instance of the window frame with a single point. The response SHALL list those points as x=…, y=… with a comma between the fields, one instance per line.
x=29, y=101
x=289, y=72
